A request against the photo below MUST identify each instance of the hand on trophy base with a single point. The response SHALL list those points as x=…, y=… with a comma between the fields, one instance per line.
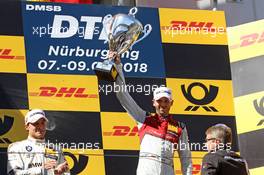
x=106, y=70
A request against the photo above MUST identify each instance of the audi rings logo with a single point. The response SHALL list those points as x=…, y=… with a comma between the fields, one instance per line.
x=209, y=96
x=5, y=126
x=260, y=109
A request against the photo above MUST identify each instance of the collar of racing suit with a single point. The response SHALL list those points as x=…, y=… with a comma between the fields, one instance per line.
x=35, y=140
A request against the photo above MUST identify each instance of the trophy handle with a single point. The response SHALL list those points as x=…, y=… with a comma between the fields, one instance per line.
x=133, y=11
x=146, y=32
x=106, y=20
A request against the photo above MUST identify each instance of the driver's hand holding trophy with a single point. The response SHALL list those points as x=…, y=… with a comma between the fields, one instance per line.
x=53, y=155
x=122, y=31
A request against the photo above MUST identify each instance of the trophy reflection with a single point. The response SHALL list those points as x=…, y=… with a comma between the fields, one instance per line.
x=122, y=31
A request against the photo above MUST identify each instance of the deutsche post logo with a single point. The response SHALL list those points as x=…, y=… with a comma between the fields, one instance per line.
x=259, y=107
x=5, y=126
x=79, y=163
x=209, y=96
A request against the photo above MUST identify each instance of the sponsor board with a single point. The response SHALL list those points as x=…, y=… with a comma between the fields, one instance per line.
x=201, y=97
x=119, y=131
x=63, y=92
x=12, y=56
x=12, y=126
x=246, y=41
x=83, y=162
x=249, y=111
x=202, y=27
x=72, y=40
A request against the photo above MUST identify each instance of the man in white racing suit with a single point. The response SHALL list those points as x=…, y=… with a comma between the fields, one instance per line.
x=32, y=156
x=160, y=134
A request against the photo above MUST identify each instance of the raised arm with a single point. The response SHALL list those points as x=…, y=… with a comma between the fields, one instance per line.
x=126, y=100
x=185, y=154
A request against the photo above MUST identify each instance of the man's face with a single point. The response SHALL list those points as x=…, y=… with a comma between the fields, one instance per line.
x=37, y=130
x=211, y=143
x=162, y=106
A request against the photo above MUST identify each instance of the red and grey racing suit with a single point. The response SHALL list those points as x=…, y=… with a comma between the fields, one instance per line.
x=27, y=157
x=158, y=137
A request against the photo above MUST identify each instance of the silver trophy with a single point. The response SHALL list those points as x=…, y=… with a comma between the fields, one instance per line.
x=122, y=31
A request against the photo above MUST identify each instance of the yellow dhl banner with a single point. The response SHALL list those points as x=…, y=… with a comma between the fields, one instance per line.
x=63, y=92
x=119, y=131
x=192, y=26
x=12, y=54
x=246, y=41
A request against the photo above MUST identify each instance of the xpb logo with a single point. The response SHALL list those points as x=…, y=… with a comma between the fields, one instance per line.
x=75, y=92
x=122, y=131
x=6, y=54
x=5, y=126
x=260, y=109
x=209, y=96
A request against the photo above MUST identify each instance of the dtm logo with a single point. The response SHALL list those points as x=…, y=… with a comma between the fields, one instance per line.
x=48, y=8
x=260, y=109
x=47, y=91
x=249, y=39
x=6, y=54
x=74, y=26
x=122, y=131
x=5, y=126
x=79, y=163
x=209, y=96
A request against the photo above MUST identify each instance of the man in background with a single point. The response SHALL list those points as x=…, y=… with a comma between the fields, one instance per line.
x=220, y=160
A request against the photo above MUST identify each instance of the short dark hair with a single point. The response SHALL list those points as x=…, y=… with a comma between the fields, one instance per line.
x=221, y=132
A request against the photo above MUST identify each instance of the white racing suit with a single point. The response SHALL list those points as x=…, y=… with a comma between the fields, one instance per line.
x=158, y=137
x=27, y=157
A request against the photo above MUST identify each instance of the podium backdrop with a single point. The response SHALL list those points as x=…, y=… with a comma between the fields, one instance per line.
x=247, y=60
x=48, y=50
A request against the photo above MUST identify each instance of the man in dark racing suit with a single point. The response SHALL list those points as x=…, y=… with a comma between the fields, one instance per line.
x=221, y=160
x=159, y=133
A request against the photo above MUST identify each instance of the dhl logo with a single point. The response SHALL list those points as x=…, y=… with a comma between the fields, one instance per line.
x=47, y=91
x=249, y=39
x=6, y=54
x=122, y=131
x=196, y=169
x=188, y=26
